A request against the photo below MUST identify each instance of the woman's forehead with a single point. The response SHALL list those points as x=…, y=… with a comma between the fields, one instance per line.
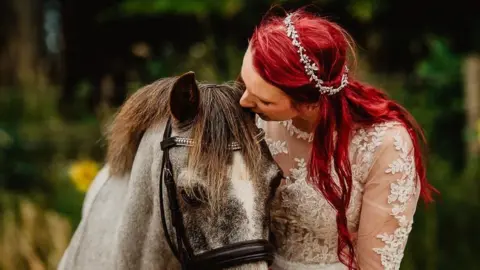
x=255, y=84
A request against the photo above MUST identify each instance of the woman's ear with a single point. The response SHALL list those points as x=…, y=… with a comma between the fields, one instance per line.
x=185, y=98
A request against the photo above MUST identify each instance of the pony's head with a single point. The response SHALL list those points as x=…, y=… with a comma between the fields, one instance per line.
x=223, y=195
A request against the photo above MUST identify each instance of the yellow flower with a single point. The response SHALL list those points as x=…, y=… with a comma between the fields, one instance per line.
x=82, y=173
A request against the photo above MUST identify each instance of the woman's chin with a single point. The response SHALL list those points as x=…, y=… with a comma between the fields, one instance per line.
x=264, y=117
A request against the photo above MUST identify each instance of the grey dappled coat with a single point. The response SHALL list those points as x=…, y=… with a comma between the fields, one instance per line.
x=121, y=226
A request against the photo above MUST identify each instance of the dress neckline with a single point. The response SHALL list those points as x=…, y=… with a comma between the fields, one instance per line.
x=293, y=130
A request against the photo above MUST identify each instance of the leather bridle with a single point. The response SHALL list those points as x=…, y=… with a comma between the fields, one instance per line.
x=219, y=258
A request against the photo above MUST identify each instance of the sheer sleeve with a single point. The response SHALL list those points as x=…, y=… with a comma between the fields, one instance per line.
x=388, y=204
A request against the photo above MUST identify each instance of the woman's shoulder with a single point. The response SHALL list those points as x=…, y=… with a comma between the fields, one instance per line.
x=382, y=134
x=377, y=143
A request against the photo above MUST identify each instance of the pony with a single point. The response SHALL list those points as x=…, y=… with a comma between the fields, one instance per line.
x=186, y=184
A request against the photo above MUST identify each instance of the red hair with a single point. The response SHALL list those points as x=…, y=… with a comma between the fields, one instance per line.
x=329, y=46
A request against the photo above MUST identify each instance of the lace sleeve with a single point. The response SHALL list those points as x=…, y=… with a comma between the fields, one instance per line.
x=389, y=202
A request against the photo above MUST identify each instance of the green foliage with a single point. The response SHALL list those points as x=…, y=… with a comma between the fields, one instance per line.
x=19, y=165
x=363, y=10
x=442, y=67
x=441, y=237
x=202, y=58
x=202, y=8
x=435, y=97
x=37, y=146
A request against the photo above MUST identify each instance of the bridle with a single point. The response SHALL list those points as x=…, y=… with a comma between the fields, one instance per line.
x=219, y=258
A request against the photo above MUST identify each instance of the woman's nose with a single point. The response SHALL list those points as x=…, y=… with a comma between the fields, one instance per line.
x=245, y=100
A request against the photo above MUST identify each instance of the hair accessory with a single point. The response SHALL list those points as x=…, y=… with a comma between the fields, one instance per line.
x=310, y=66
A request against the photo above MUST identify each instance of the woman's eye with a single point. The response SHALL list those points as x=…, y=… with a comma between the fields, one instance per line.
x=266, y=103
x=194, y=197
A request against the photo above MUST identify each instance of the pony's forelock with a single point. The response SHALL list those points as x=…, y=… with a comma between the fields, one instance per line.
x=219, y=122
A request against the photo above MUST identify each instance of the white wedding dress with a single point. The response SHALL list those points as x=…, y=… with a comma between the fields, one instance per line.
x=383, y=201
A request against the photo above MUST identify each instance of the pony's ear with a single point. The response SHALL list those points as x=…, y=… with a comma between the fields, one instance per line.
x=185, y=98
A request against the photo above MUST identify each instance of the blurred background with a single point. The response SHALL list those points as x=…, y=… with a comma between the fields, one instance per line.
x=66, y=66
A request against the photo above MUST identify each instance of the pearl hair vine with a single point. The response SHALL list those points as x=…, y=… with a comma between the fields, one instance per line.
x=309, y=65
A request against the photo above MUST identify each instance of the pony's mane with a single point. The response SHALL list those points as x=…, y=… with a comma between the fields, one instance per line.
x=145, y=107
x=220, y=121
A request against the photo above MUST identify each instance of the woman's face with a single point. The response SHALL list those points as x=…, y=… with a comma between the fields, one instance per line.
x=266, y=100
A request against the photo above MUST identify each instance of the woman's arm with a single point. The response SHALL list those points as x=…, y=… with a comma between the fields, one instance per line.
x=390, y=197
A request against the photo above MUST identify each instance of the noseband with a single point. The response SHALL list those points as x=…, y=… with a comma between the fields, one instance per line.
x=219, y=258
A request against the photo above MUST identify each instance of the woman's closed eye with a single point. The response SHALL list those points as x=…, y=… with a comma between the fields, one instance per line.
x=265, y=103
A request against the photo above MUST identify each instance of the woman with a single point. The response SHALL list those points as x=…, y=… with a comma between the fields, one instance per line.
x=351, y=156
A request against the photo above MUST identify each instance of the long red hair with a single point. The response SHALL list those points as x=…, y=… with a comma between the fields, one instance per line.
x=330, y=47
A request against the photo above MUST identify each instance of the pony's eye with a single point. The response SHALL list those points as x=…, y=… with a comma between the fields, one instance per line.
x=195, y=197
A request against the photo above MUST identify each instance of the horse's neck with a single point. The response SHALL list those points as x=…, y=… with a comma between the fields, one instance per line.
x=141, y=218
x=121, y=225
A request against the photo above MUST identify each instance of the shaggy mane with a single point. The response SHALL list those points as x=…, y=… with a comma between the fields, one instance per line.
x=220, y=121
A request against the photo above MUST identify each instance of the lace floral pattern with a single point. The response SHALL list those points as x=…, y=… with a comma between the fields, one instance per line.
x=363, y=146
x=300, y=172
x=277, y=147
x=298, y=236
x=303, y=221
x=401, y=192
x=295, y=131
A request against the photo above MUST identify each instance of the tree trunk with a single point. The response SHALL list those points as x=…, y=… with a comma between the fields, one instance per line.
x=471, y=72
x=20, y=45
